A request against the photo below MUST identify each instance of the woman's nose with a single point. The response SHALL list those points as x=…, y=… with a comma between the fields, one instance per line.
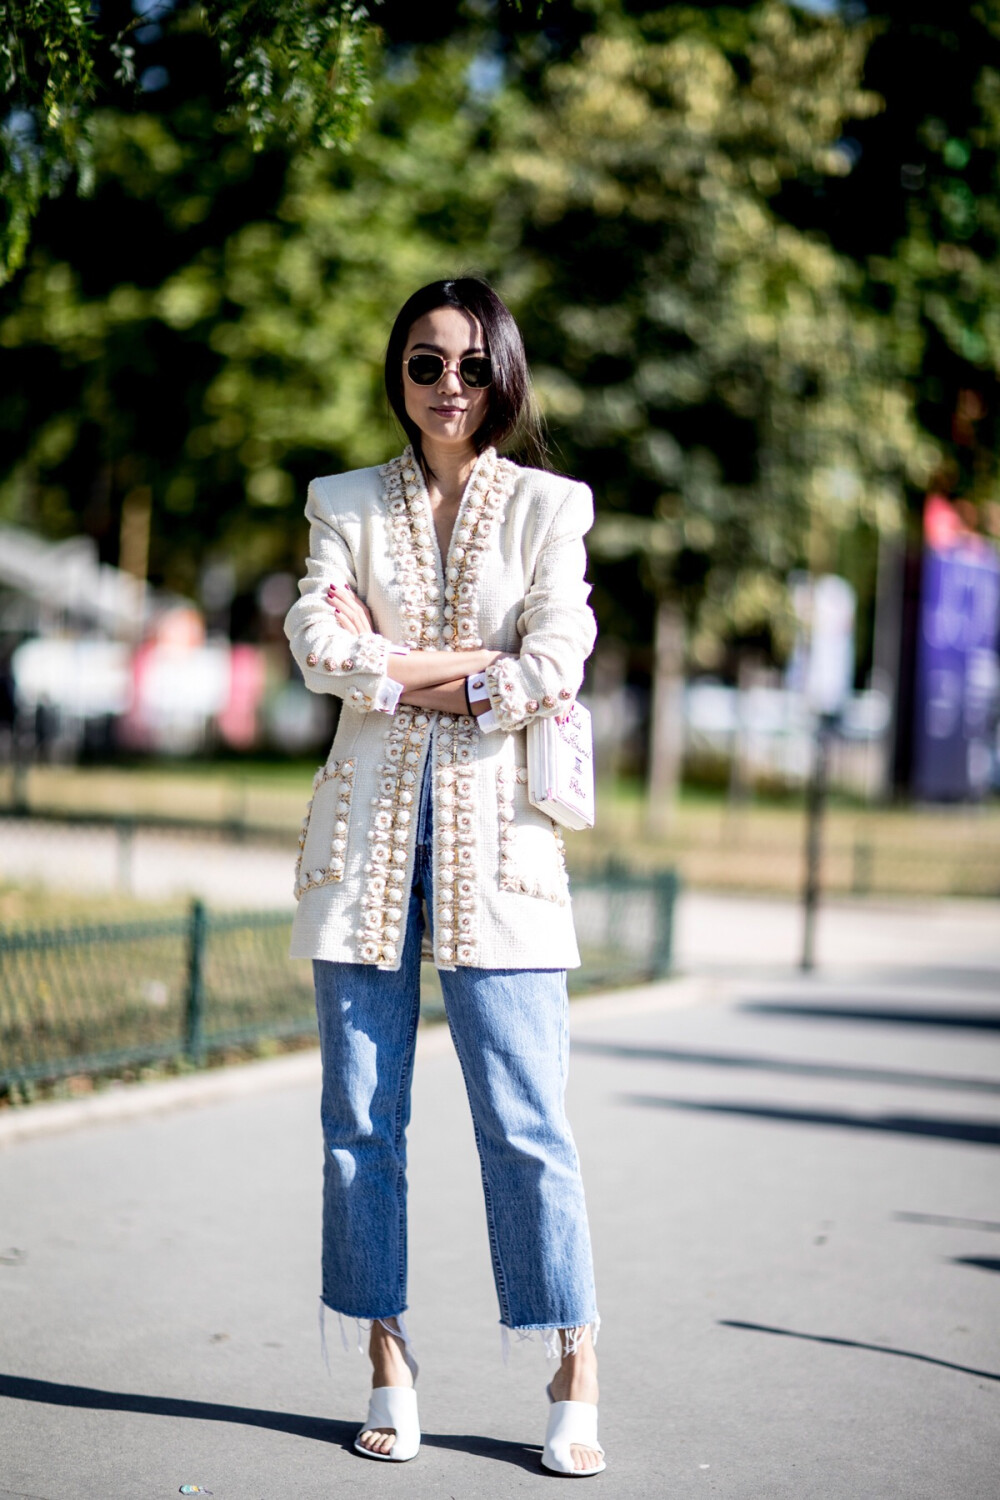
x=450, y=380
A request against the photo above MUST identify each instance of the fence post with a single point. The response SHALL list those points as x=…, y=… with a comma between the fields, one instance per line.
x=194, y=1008
x=666, y=884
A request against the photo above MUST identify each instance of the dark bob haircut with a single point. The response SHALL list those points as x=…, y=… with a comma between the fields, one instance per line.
x=510, y=412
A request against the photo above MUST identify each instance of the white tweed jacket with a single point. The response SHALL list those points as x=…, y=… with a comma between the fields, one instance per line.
x=513, y=580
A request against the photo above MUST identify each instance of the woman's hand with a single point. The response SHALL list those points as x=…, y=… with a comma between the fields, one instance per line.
x=350, y=611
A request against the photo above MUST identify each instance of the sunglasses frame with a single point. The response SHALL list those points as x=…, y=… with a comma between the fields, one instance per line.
x=445, y=365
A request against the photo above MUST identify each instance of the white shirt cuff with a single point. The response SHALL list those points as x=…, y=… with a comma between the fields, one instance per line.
x=477, y=691
x=387, y=695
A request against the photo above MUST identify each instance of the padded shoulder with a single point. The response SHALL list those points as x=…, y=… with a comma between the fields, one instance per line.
x=555, y=495
x=345, y=495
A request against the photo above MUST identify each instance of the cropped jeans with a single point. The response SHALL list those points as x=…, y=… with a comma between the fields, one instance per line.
x=510, y=1030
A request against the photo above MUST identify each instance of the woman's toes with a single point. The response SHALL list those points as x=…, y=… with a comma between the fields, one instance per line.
x=584, y=1458
x=377, y=1439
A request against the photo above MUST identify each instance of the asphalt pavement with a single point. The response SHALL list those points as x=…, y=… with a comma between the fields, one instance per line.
x=793, y=1191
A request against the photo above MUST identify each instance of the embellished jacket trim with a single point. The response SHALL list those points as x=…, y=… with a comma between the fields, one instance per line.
x=333, y=870
x=366, y=653
x=510, y=880
x=392, y=836
x=429, y=623
x=456, y=873
x=513, y=708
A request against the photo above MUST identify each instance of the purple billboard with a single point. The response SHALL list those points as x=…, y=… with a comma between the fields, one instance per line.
x=958, y=670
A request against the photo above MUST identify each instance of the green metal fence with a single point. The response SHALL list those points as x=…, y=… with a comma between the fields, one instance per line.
x=102, y=998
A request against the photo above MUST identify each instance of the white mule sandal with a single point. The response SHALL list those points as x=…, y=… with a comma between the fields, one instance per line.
x=570, y=1422
x=394, y=1406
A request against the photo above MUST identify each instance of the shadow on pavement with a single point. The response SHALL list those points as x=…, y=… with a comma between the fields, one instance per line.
x=823, y=1338
x=947, y=1221
x=50, y=1393
x=973, y=1132
x=981, y=1262
x=850, y=1071
x=520, y=1455
x=320, y=1429
x=947, y=977
x=881, y=1015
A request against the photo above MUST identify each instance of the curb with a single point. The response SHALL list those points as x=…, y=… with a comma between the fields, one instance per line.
x=133, y=1101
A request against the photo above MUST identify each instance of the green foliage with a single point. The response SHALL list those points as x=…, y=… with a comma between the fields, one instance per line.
x=297, y=69
x=292, y=73
x=752, y=345
x=939, y=281
x=225, y=343
x=918, y=214
x=707, y=365
x=47, y=74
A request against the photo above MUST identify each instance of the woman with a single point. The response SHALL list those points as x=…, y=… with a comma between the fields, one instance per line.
x=445, y=603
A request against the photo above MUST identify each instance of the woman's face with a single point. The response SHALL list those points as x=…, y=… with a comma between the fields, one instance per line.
x=448, y=413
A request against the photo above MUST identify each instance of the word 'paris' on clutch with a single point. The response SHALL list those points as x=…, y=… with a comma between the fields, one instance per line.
x=561, y=767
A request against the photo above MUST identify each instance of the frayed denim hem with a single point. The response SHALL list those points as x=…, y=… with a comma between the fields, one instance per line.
x=362, y=1325
x=558, y=1342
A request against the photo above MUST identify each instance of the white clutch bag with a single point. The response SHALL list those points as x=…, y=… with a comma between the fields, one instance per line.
x=561, y=767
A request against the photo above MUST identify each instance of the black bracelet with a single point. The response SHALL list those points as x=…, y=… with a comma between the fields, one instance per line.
x=468, y=700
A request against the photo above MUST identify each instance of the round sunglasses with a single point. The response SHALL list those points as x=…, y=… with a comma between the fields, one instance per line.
x=427, y=369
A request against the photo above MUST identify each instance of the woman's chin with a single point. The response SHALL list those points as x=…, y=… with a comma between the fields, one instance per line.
x=452, y=432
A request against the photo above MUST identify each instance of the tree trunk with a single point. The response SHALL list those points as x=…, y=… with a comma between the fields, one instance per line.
x=666, y=732
x=609, y=706
x=133, y=546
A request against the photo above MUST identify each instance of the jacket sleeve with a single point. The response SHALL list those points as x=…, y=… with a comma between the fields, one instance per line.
x=334, y=660
x=556, y=625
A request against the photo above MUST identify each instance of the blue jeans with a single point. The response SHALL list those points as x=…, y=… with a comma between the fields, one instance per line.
x=511, y=1032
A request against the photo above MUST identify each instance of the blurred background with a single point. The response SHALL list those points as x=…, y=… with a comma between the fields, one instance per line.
x=753, y=249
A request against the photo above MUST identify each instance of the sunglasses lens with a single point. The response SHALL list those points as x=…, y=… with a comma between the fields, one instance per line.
x=476, y=371
x=424, y=369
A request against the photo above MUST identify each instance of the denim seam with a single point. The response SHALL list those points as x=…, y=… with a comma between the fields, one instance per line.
x=501, y=1279
x=498, y=1271
x=405, y=1082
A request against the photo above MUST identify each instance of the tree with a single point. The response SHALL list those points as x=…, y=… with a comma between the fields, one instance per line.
x=654, y=193
x=292, y=73
x=710, y=366
x=920, y=215
x=224, y=343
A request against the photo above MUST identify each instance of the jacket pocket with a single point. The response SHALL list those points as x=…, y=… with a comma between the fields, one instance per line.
x=323, y=840
x=532, y=852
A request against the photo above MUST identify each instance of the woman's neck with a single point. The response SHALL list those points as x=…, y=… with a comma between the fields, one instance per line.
x=449, y=468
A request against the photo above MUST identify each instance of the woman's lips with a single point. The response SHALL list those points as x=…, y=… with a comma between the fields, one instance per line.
x=449, y=411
